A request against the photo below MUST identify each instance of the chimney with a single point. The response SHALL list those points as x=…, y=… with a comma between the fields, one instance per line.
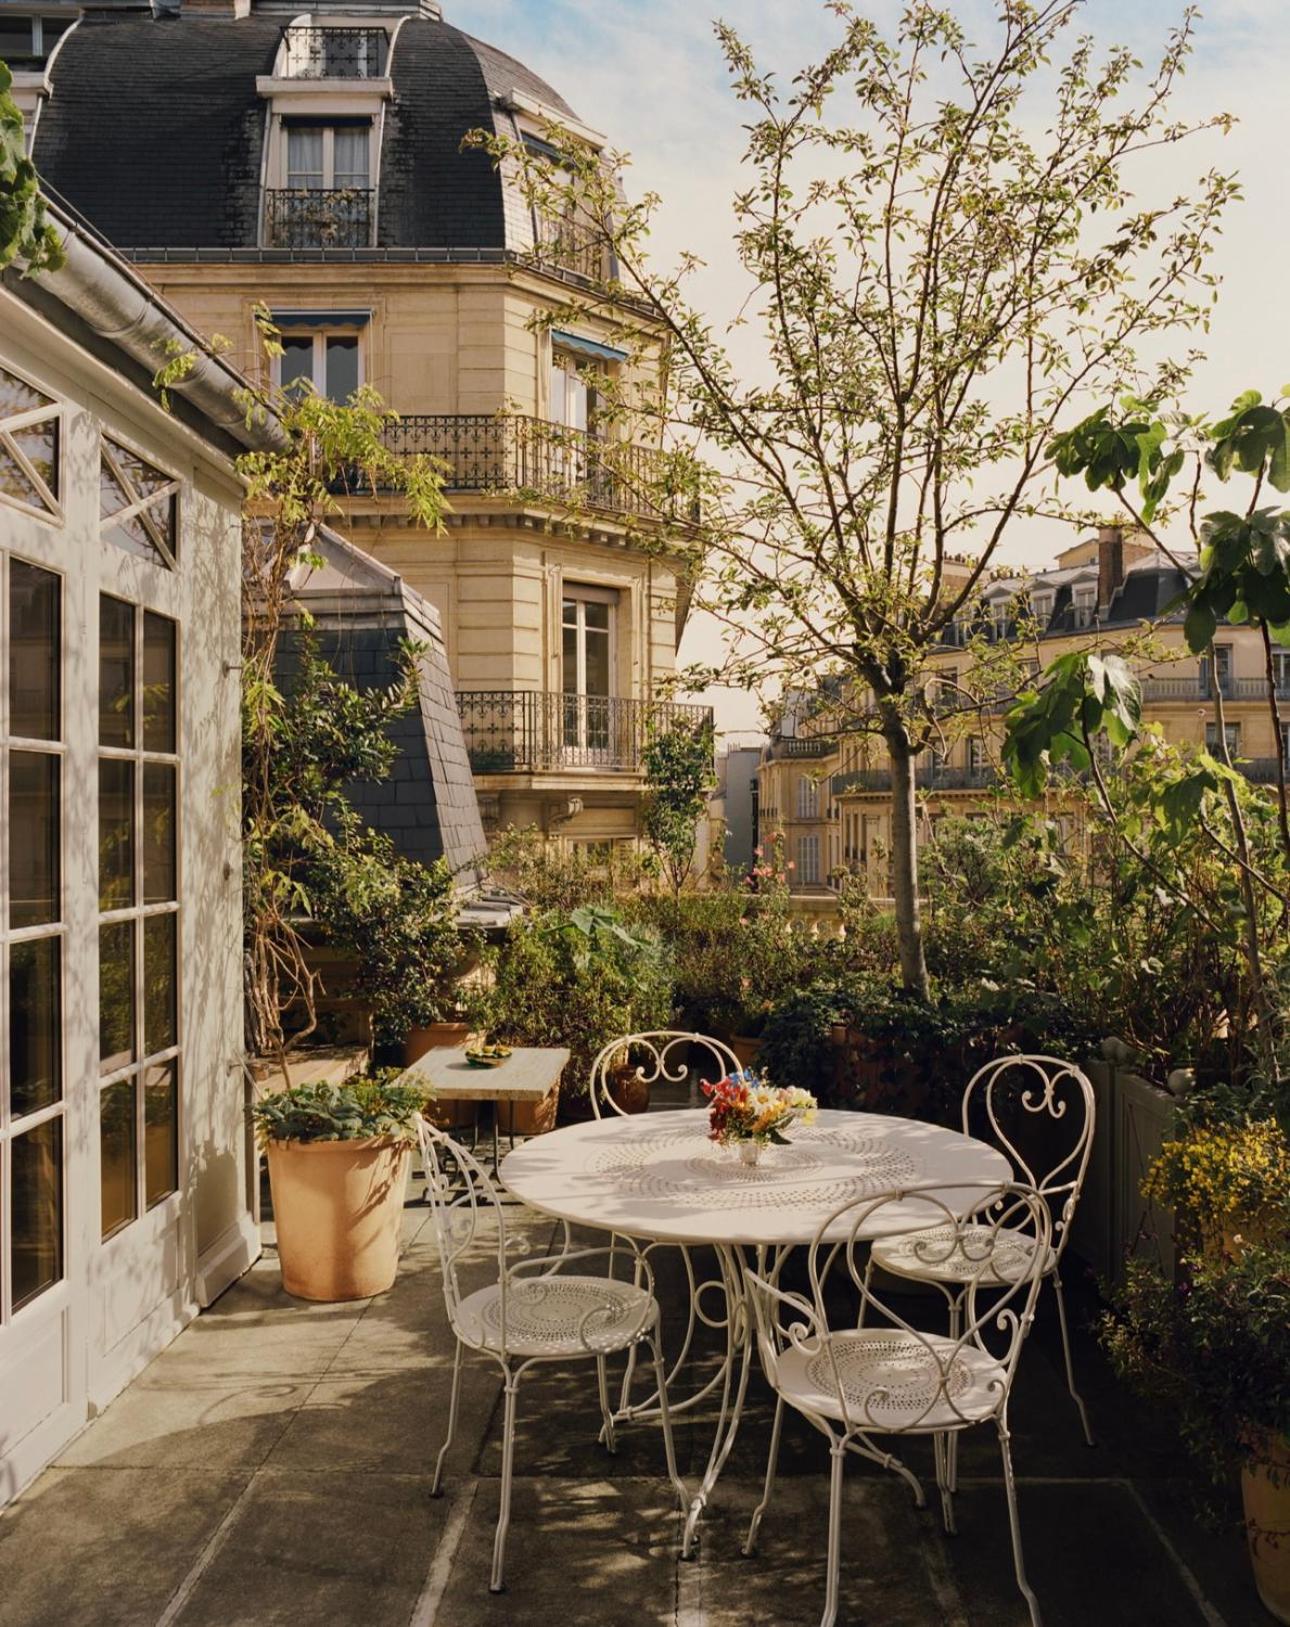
x=1110, y=563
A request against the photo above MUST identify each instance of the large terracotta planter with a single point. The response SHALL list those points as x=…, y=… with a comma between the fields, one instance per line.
x=529, y=1118
x=337, y=1205
x=1267, y=1521
x=745, y=1047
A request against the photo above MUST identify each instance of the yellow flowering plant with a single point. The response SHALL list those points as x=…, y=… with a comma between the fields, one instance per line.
x=1226, y=1176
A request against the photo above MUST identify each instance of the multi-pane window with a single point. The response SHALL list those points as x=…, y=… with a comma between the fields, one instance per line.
x=586, y=644
x=329, y=361
x=26, y=42
x=808, y=860
x=976, y=756
x=138, y=911
x=808, y=798
x=29, y=445
x=1216, y=670
x=1233, y=733
x=321, y=157
x=138, y=505
x=1084, y=601
x=32, y=1108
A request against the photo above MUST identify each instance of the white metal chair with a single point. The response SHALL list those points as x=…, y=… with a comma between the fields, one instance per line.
x=537, y=1311
x=664, y=1055
x=1016, y=1088
x=878, y=1376
x=669, y=1056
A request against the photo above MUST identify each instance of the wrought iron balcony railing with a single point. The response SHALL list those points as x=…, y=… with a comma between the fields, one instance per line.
x=305, y=217
x=506, y=455
x=1203, y=687
x=572, y=245
x=977, y=777
x=814, y=745
x=335, y=53
x=513, y=731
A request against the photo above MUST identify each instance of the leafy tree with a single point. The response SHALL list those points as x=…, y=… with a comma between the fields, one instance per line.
x=945, y=255
x=307, y=858
x=25, y=232
x=678, y=777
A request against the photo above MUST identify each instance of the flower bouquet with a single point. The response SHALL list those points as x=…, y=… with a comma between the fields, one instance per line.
x=748, y=1113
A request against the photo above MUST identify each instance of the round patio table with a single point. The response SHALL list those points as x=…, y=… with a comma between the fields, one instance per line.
x=657, y=1179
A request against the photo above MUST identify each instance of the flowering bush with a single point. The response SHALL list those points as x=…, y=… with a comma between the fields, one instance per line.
x=746, y=1108
x=1224, y=1175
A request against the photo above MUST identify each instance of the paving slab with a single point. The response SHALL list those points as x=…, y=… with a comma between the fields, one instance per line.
x=106, y=1547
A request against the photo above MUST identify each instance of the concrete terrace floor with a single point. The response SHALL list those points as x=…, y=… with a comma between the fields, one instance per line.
x=273, y=1466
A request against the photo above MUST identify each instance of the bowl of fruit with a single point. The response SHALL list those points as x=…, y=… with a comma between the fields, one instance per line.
x=487, y=1056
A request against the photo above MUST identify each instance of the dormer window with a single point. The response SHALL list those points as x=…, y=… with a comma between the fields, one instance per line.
x=334, y=53
x=27, y=42
x=327, y=200
x=1041, y=606
x=1084, y=603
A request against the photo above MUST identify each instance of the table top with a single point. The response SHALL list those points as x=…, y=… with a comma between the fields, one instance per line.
x=527, y=1074
x=657, y=1175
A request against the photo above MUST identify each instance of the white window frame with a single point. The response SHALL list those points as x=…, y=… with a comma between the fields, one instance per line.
x=320, y=336
x=63, y=1107
x=808, y=860
x=328, y=127
x=145, y=507
x=1084, y=603
x=808, y=798
x=53, y=513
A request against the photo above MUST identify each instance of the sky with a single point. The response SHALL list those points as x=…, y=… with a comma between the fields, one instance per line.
x=648, y=75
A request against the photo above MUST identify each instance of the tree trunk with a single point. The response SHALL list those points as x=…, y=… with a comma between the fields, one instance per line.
x=904, y=865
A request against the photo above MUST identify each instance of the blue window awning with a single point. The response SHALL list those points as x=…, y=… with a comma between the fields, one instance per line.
x=587, y=347
x=321, y=319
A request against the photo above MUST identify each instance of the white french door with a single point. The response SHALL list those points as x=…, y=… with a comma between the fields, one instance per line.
x=587, y=659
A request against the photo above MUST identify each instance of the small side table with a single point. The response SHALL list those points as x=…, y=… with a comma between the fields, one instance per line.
x=529, y=1074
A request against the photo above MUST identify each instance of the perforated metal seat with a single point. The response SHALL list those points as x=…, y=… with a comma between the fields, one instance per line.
x=944, y=1254
x=561, y=1316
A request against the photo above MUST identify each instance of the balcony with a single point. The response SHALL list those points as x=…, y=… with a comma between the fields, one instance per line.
x=807, y=746
x=977, y=777
x=514, y=731
x=334, y=53
x=504, y=455
x=319, y=217
x=1200, y=687
x=573, y=246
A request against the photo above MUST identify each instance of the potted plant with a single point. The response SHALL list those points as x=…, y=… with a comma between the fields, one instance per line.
x=1213, y=1340
x=338, y=1166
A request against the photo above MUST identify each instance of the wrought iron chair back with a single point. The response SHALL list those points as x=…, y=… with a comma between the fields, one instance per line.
x=662, y=1055
x=917, y=1380
x=458, y=1208
x=1023, y=1088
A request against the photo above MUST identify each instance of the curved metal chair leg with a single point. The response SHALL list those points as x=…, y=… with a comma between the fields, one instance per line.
x=436, y=1485
x=838, y=1454
x=772, y=1464
x=508, y=1462
x=1014, y=1525
x=606, y=1412
x=1070, y=1368
x=665, y=1420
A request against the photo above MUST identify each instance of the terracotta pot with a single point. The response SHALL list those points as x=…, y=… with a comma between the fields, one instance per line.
x=1267, y=1521
x=745, y=1047
x=438, y=1037
x=528, y=1118
x=337, y=1205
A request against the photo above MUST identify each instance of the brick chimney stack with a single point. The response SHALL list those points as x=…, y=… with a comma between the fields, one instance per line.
x=1110, y=563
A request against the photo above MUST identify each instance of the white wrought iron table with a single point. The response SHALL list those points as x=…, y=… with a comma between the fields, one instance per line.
x=657, y=1180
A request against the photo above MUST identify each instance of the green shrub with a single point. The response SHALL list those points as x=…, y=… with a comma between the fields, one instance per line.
x=578, y=978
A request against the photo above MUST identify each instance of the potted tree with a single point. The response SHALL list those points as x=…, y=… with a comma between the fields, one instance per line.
x=1213, y=1340
x=338, y=1167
